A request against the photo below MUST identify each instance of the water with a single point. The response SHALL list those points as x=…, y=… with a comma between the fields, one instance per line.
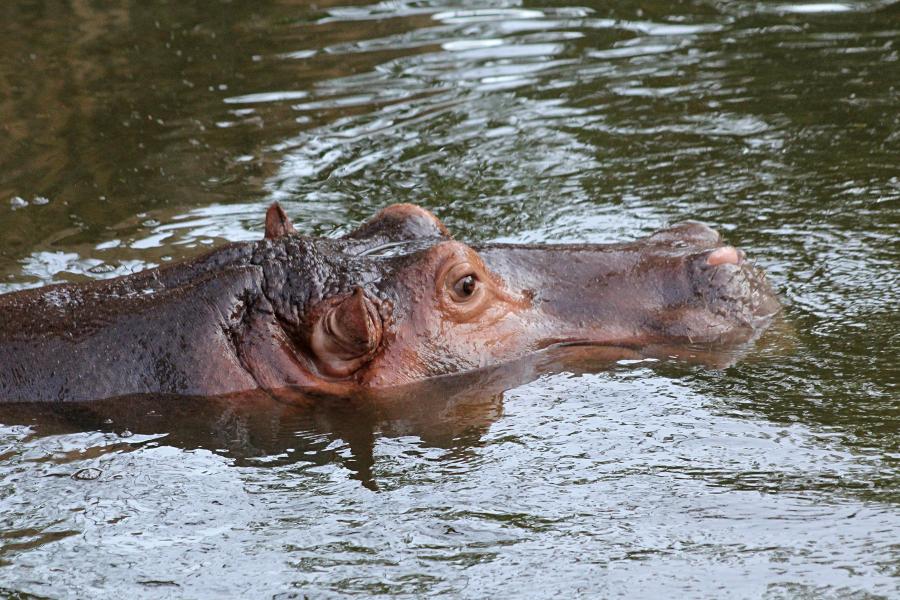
x=134, y=134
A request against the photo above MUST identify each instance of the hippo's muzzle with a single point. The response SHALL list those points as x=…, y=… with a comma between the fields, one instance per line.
x=734, y=290
x=679, y=285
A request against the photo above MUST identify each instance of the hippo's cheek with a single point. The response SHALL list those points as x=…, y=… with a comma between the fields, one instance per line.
x=435, y=347
x=404, y=357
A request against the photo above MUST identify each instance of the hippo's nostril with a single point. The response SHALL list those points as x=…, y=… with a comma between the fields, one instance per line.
x=724, y=255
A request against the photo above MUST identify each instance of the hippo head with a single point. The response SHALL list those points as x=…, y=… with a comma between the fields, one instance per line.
x=399, y=300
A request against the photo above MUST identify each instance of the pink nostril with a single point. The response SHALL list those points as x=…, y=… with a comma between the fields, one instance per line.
x=723, y=255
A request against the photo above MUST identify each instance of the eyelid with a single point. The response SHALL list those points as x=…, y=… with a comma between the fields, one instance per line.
x=459, y=271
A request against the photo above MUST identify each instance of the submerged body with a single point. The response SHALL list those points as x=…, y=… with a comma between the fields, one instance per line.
x=394, y=302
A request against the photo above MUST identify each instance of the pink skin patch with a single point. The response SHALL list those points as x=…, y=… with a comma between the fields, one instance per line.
x=723, y=255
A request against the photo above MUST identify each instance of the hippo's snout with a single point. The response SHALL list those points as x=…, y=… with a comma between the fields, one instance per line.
x=732, y=288
x=729, y=287
x=724, y=256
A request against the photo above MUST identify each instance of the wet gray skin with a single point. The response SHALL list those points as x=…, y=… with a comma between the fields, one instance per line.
x=380, y=308
x=658, y=290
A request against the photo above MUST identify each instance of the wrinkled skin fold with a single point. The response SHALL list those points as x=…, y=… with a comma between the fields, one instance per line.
x=392, y=303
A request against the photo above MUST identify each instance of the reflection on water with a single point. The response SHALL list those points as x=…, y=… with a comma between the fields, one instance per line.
x=135, y=134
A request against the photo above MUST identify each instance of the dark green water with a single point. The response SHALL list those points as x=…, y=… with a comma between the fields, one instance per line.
x=133, y=133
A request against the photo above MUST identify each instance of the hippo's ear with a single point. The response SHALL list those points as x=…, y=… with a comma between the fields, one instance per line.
x=347, y=335
x=400, y=223
x=277, y=222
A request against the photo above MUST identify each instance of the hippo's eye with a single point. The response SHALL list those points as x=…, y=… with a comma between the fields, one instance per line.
x=464, y=288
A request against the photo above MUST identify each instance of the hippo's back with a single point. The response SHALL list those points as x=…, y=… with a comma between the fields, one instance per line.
x=125, y=336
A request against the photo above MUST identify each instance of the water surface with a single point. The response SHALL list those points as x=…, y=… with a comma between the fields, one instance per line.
x=133, y=134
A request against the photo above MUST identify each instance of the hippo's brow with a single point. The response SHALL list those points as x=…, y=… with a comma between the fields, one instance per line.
x=388, y=246
x=416, y=244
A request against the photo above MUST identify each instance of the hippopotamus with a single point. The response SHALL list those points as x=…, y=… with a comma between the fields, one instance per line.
x=396, y=301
